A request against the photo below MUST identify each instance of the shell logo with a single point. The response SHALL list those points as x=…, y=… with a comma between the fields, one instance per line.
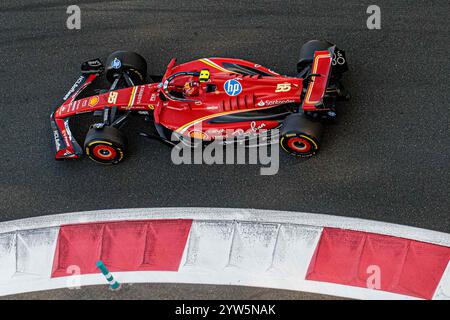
x=93, y=101
x=198, y=135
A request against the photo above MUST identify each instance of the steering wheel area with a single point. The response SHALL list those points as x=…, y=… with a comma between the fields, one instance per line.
x=167, y=86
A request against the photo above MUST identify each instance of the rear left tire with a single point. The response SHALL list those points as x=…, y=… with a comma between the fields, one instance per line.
x=300, y=136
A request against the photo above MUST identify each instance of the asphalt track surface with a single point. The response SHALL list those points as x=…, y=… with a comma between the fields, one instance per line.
x=158, y=291
x=387, y=159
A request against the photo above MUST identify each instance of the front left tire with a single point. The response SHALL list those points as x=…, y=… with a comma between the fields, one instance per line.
x=105, y=145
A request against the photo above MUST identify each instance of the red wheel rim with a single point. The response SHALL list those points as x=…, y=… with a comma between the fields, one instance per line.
x=104, y=152
x=299, y=144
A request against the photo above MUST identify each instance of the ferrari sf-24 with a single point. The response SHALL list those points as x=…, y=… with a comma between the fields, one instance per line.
x=209, y=99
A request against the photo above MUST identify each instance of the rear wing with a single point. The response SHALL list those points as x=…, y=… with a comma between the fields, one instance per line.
x=326, y=64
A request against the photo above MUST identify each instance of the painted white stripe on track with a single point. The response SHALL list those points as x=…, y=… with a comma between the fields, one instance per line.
x=443, y=289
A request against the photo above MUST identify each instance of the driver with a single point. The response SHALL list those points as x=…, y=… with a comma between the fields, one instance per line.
x=191, y=89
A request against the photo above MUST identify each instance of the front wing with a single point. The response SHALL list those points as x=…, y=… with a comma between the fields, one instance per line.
x=66, y=145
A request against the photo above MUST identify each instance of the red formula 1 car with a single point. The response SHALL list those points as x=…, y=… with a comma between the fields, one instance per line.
x=205, y=99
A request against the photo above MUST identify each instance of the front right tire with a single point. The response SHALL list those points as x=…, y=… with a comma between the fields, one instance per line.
x=125, y=61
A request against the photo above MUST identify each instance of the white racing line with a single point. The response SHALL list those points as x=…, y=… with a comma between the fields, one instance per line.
x=225, y=246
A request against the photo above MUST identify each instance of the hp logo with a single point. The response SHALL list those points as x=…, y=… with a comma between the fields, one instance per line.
x=232, y=87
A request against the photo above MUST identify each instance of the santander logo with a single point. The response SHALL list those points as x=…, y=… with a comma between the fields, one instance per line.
x=269, y=103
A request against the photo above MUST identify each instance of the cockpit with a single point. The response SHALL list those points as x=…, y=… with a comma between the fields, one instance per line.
x=188, y=86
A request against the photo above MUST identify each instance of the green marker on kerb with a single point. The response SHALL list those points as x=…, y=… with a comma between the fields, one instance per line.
x=112, y=283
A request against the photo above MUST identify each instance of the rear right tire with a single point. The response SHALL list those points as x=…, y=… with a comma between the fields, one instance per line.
x=307, y=52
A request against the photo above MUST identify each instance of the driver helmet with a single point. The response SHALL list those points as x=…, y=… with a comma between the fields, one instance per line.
x=191, y=89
